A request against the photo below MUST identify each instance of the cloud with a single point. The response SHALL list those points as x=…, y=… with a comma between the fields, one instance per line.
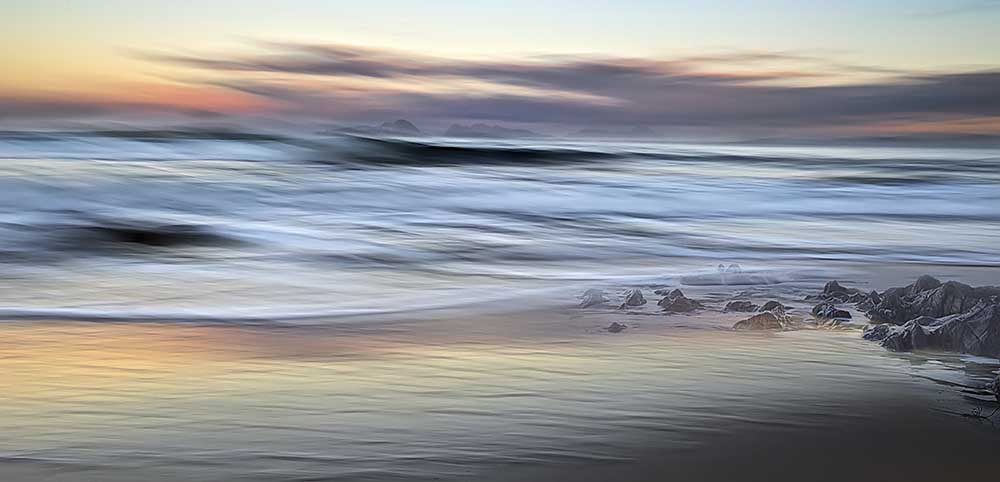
x=723, y=91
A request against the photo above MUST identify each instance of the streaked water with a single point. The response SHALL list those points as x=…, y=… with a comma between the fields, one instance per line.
x=318, y=227
x=275, y=308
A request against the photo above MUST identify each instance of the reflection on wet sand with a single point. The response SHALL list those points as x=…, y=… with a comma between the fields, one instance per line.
x=507, y=398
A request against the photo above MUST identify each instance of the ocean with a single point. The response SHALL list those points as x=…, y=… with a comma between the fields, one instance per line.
x=223, y=306
x=218, y=225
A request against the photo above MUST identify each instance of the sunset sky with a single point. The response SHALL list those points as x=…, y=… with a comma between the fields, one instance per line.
x=827, y=67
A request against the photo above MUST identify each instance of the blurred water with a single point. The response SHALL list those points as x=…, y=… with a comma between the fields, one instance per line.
x=505, y=380
x=213, y=226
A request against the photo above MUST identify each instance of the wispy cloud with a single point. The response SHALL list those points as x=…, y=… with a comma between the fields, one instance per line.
x=723, y=90
x=729, y=90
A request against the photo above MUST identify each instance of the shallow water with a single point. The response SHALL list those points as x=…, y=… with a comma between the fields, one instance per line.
x=449, y=400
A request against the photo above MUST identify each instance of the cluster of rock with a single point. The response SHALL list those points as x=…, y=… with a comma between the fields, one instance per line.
x=925, y=314
x=930, y=314
x=673, y=301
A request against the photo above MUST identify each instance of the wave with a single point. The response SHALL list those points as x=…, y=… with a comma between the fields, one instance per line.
x=360, y=150
x=105, y=236
x=890, y=169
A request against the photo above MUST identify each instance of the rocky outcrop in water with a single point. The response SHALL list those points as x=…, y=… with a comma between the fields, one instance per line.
x=767, y=320
x=833, y=292
x=928, y=297
x=930, y=314
x=633, y=297
x=676, y=302
x=592, y=297
x=742, y=306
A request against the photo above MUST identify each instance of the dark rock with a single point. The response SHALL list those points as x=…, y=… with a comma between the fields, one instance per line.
x=834, y=288
x=923, y=283
x=899, y=305
x=616, y=327
x=592, y=297
x=633, y=297
x=996, y=387
x=947, y=316
x=869, y=303
x=877, y=332
x=767, y=320
x=827, y=311
x=976, y=332
x=771, y=305
x=676, y=302
x=874, y=297
x=741, y=306
x=910, y=336
x=834, y=292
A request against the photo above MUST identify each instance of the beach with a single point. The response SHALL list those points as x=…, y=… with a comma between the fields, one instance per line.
x=511, y=396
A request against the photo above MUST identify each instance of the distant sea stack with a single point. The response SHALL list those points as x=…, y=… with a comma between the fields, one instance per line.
x=489, y=131
x=401, y=127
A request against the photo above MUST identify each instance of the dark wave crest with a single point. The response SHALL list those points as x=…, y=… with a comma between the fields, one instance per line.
x=399, y=152
x=100, y=236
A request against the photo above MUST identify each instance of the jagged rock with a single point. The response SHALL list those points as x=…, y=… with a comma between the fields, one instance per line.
x=771, y=305
x=869, y=303
x=923, y=283
x=899, y=305
x=633, y=297
x=616, y=327
x=877, y=332
x=910, y=336
x=834, y=292
x=741, y=306
x=676, y=302
x=827, y=311
x=767, y=320
x=592, y=297
x=976, y=332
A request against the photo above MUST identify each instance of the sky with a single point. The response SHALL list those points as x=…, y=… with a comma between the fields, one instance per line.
x=739, y=66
